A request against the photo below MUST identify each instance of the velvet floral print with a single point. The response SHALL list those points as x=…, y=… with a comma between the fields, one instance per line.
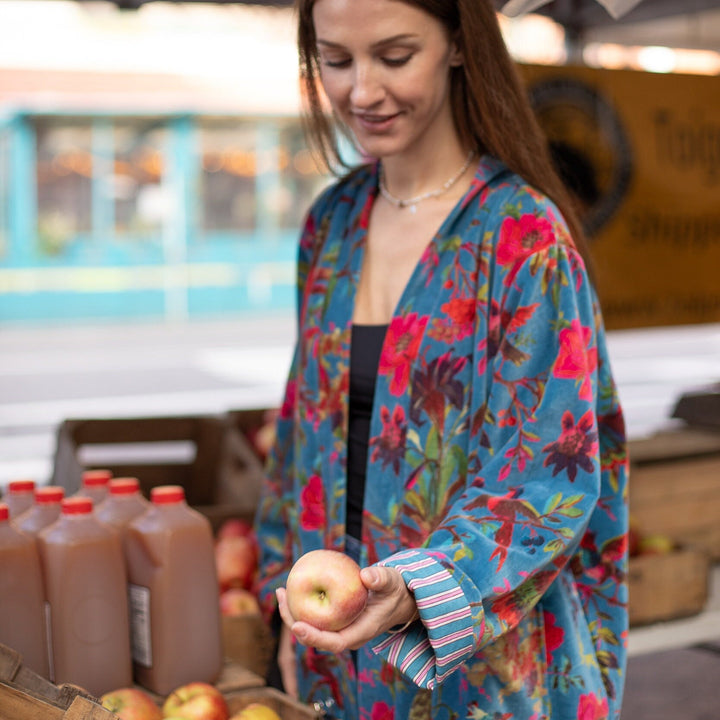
x=496, y=478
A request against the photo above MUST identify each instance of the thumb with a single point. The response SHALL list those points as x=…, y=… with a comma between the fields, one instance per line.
x=372, y=578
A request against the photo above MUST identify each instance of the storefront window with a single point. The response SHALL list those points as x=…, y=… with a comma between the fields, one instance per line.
x=228, y=171
x=64, y=183
x=140, y=200
x=300, y=177
x=4, y=192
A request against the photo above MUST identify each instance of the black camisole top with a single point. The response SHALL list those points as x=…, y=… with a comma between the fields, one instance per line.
x=365, y=349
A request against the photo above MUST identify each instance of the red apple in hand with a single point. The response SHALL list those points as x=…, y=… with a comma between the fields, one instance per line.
x=324, y=589
x=131, y=704
x=238, y=601
x=236, y=559
x=196, y=701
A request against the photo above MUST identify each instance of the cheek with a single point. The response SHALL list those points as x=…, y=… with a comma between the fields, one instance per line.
x=335, y=87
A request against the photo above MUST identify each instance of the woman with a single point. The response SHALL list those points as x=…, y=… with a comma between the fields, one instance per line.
x=450, y=418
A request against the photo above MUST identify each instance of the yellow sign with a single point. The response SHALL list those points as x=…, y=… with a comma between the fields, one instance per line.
x=641, y=152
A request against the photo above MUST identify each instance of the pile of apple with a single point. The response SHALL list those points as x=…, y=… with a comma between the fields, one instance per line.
x=236, y=559
x=194, y=701
x=640, y=543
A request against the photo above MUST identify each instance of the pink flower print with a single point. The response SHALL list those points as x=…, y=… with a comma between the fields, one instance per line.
x=402, y=343
x=576, y=360
x=590, y=707
x=312, y=504
x=520, y=238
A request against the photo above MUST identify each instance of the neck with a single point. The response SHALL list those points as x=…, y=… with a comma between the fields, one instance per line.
x=411, y=175
x=448, y=187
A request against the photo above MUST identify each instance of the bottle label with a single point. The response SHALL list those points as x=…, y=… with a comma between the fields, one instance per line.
x=48, y=640
x=139, y=606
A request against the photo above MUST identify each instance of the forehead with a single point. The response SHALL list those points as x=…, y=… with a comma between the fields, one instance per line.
x=369, y=19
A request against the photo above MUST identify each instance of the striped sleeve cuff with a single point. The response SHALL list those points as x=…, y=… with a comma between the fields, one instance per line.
x=428, y=651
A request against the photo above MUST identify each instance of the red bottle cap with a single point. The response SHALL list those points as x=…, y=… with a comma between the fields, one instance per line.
x=76, y=506
x=49, y=494
x=4, y=512
x=167, y=494
x=96, y=478
x=21, y=486
x=124, y=486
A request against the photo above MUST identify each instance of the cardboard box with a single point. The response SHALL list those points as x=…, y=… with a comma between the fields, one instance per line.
x=248, y=641
x=207, y=454
x=668, y=586
x=675, y=488
x=285, y=706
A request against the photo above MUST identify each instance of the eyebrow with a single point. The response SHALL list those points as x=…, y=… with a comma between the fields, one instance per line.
x=381, y=43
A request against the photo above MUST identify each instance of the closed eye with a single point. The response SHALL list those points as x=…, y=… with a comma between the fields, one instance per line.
x=397, y=62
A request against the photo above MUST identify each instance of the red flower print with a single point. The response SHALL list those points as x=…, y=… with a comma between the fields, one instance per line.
x=402, y=343
x=554, y=635
x=312, y=501
x=382, y=711
x=576, y=360
x=575, y=447
x=521, y=238
x=288, y=406
x=591, y=707
x=390, y=446
x=461, y=312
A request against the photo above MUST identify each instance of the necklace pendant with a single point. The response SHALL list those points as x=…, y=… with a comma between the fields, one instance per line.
x=413, y=208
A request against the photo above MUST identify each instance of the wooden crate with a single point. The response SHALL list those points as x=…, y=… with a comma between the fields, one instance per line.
x=247, y=641
x=207, y=455
x=25, y=695
x=675, y=487
x=285, y=706
x=668, y=586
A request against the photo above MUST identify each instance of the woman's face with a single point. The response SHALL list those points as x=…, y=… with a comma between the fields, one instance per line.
x=385, y=67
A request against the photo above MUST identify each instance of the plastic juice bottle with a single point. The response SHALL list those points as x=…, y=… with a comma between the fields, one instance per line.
x=123, y=503
x=44, y=512
x=94, y=485
x=174, y=596
x=22, y=613
x=19, y=496
x=86, y=590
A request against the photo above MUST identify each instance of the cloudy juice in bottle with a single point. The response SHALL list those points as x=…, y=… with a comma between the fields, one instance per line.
x=22, y=615
x=19, y=496
x=94, y=484
x=173, y=591
x=44, y=512
x=123, y=503
x=86, y=590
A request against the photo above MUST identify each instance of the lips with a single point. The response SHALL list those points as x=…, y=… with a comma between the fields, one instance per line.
x=372, y=122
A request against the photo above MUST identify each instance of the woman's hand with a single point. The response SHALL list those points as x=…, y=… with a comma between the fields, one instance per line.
x=389, y=603
x=287, y=662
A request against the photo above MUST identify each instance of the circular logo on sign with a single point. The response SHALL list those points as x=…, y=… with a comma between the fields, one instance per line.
x=588, y=144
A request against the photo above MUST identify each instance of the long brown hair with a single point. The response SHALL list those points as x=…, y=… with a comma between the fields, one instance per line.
x=490, y=106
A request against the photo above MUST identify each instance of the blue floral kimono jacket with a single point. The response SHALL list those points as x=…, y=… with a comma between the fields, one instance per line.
x=496, y=476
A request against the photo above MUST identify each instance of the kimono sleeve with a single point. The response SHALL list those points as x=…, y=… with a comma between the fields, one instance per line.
x=504, y=541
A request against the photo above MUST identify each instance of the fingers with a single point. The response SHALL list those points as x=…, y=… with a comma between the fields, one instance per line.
x=287, y=662
x=281, y=596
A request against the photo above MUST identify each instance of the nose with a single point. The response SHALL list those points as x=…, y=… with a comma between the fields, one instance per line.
x=367, y=89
